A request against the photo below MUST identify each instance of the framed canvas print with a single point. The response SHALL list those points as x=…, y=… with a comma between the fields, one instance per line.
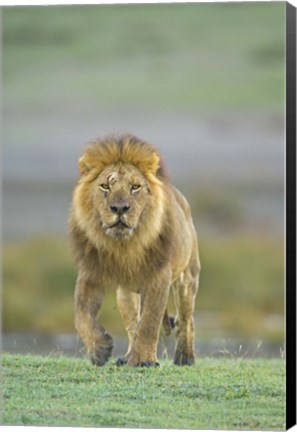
x=149, y=215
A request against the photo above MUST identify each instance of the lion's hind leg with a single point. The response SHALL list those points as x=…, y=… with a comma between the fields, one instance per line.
x=184, y=291
x=168, y=323
x=129, y=307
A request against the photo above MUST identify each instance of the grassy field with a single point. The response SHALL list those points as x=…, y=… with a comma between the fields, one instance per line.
x=213, y=394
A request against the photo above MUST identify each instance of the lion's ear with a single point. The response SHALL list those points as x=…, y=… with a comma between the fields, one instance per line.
x=154, y=163
x=83, y=164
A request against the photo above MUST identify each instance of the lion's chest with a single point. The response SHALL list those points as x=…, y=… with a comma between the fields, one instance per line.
x=132, y=265
x=115, y=271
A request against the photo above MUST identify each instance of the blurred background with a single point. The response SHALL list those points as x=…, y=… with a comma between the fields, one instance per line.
x=205, y=84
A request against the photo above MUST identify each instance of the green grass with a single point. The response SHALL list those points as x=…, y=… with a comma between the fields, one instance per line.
x=208, y=56
x=213, y=394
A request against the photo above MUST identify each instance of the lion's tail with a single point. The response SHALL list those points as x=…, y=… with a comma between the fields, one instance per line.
x=168, y=323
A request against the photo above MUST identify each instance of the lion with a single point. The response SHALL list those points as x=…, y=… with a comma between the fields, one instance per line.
x=131, y=230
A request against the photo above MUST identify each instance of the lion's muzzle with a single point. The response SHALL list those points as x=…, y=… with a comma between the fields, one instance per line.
x=119, y=206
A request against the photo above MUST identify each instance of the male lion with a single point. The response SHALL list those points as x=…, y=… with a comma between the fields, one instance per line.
x=131, y=230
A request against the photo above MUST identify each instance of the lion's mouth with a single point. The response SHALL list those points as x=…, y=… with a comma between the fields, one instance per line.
x=120, y=224
x=120, y=229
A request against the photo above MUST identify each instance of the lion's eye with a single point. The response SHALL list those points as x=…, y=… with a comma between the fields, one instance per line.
x=136, y=187
x=104, y=187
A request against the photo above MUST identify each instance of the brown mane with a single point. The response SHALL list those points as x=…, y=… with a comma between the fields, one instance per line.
x=127, y=149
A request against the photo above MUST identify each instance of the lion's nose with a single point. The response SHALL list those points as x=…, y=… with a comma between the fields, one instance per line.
x=120, y=208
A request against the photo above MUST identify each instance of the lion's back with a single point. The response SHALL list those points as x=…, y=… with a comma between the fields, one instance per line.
x=185, y=237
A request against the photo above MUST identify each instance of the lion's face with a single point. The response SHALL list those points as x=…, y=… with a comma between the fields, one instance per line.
x=120, y=194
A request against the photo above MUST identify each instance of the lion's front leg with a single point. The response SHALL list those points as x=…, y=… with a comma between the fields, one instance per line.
x=88, y=301
x=154, y=297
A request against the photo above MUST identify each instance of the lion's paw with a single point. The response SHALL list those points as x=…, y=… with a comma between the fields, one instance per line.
x=184, y=359
x=102, y=354
x=121, y=361
x=147, y=364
